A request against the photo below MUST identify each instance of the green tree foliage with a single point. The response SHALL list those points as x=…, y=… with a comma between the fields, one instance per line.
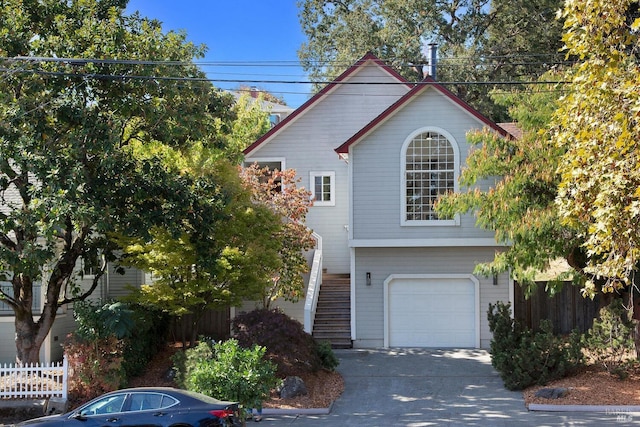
x=250, y=122
x=69, y=173
x=511, y=186
x=225, y=253
x=479, y=41
x=597, y=126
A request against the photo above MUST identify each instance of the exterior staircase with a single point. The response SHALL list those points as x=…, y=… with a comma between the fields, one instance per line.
x=333, y=312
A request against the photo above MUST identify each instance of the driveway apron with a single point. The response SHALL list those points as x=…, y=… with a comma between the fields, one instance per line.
x=432, y=387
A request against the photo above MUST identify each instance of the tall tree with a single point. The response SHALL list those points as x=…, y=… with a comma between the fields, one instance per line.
x=279, y=192
x=511, y=186
x=74, y=97
x=224, y=254
x=480, y=41
x=597, y=124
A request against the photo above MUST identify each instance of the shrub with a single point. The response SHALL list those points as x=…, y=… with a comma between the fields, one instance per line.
x=523, y=357
x=328, y=359
x=288, y=345
x=186, y=362
x=610, y=340
x=150, y=327
x=140, y=329
x=229, y=372
x=95, y=367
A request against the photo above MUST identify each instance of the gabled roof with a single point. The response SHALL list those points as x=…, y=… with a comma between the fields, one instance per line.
x=369, y=57
x=427, y=82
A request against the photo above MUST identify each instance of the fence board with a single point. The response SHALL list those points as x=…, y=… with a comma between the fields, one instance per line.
x=34, y=381
x=214, y=324
x=567, y=310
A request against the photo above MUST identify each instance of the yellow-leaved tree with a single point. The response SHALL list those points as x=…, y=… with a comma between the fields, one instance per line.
x=597, y=125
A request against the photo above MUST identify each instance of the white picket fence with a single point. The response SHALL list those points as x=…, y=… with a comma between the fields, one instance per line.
x=34, y=381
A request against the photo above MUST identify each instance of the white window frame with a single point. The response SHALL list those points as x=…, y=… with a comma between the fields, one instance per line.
x=403, y=181
x=83, y=269
x=332, y=187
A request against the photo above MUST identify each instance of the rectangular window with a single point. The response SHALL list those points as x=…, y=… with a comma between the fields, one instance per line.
x=91, y=265
x=323, y=188
x=272, y=164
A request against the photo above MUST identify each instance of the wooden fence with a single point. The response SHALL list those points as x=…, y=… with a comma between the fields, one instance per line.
x=567, y=310
x=214, y=324
x=34, y=381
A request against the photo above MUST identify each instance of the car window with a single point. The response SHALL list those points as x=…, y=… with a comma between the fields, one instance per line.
x=144, y=401
x=106, y=405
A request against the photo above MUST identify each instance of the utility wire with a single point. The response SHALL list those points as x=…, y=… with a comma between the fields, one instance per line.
x=99, y=76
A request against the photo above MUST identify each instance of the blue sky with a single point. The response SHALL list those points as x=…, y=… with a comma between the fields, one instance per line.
x=261, y=36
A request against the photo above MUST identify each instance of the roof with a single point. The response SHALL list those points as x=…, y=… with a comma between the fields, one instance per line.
x=513, y=128
x=265, y=105
x=369, y=57
x=428, y=82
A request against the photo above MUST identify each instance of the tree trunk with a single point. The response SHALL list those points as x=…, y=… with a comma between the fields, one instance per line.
x=30, y=336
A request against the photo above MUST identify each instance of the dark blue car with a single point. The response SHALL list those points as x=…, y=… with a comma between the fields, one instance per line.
x=146, y=406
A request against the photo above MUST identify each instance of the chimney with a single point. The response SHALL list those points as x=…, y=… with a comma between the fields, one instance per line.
x=433, y=60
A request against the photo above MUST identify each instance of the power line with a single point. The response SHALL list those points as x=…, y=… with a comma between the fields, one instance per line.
x=102, y=76
x=444, y=62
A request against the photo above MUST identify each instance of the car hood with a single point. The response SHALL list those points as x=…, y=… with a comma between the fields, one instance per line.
x=43, y=420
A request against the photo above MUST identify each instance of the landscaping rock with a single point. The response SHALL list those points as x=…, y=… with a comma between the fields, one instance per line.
x=292, y=387
x=552, y=393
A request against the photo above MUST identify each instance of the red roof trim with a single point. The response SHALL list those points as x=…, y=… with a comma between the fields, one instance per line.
x=351, y=70
x=426, y=82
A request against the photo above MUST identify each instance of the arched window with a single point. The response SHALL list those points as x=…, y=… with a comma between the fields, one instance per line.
x=429, y=165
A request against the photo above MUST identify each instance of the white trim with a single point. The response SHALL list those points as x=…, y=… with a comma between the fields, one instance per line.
x=393, y=277
x=403, y=180
x=352, y=275
x=424, y=243
x=332, y=187
x=248, y=161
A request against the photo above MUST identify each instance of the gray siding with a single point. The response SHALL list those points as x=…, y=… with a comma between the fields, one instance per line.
x=63, y=325
x=308, y=144
x=119, y=283
x=377, y=174
x=7, y=338
x=382, y=262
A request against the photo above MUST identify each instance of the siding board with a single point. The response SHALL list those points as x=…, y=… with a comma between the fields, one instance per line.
x=376, y=168
x=308, y=144
x=382, y=262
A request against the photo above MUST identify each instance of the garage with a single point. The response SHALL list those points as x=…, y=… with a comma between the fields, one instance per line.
x=431, y=311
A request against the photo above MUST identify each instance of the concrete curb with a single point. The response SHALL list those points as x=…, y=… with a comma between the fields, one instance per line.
x=298, y=411
x=609, y=409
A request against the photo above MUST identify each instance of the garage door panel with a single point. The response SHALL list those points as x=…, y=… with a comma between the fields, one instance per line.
x=432, y=313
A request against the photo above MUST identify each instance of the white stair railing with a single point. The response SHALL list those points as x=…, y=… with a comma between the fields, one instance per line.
x=313, y=288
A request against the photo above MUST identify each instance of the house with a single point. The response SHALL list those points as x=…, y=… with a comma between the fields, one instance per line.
x=376, y=151
x=112, y=285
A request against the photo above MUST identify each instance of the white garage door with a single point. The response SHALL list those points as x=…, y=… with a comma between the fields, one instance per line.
x=431, y=312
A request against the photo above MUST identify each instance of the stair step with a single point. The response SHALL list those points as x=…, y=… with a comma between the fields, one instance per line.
x=333, y=312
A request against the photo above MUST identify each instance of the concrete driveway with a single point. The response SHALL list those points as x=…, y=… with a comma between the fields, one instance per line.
x=426, y=387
